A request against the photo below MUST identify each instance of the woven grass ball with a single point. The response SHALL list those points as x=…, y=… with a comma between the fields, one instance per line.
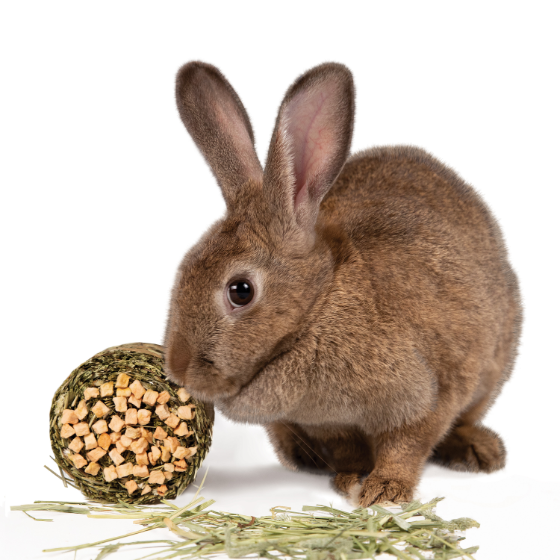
x=124, y=432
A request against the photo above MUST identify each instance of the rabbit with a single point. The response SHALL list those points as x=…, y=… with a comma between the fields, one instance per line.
x=361, y=308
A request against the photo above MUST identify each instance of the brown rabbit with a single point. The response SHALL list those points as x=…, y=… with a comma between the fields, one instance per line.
x=363, y=309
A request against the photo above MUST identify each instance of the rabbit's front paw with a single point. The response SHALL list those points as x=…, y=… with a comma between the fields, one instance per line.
x=349, y=485
x=378, y=489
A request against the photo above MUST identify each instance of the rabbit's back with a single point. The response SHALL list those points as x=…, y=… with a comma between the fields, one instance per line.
x=437, y=264
x=401, y=190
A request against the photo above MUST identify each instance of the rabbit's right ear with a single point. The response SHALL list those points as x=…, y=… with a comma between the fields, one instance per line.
x=310, y=144
x=218, y=123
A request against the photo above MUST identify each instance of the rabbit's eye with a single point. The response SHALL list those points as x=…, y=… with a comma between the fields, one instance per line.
x=240, y=292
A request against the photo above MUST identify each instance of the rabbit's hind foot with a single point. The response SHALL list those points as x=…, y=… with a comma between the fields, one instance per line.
x=471, y=448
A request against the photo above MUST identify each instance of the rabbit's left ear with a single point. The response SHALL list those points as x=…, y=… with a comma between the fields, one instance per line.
x=310, y=143
x=218, y=123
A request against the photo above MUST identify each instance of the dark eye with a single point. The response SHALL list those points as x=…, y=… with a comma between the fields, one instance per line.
x=240, y=292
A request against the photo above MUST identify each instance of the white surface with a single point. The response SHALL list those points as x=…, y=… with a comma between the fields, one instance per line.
x=244, y=477
x=98, y=178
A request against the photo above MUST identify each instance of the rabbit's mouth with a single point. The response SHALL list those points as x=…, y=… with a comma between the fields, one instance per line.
x=206, y=382
x=211, y=386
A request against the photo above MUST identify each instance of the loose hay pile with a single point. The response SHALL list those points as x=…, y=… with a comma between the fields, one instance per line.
x=124, y=432
x=315, y=533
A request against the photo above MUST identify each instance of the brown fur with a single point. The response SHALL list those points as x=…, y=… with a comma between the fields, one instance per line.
x=386, y=317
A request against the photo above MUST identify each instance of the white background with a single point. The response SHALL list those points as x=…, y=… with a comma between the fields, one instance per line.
x=103, y=192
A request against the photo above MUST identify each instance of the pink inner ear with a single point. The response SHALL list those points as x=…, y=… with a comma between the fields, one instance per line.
x=311, y=132
x=228, y=119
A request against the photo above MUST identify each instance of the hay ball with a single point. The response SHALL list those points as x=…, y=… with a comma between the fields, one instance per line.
x=124, y=432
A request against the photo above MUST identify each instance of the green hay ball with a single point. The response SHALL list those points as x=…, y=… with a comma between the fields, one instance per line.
x=144, y=363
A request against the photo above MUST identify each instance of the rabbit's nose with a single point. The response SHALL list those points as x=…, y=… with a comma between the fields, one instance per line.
x=177, y=357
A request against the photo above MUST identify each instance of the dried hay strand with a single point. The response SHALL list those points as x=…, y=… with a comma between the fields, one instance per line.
x=125, y=433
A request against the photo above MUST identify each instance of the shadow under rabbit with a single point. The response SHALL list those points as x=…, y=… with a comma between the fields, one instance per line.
x=260, y=478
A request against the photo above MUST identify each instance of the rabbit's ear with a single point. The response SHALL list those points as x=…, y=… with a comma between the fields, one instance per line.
x=310, y=143
x=219, y=125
